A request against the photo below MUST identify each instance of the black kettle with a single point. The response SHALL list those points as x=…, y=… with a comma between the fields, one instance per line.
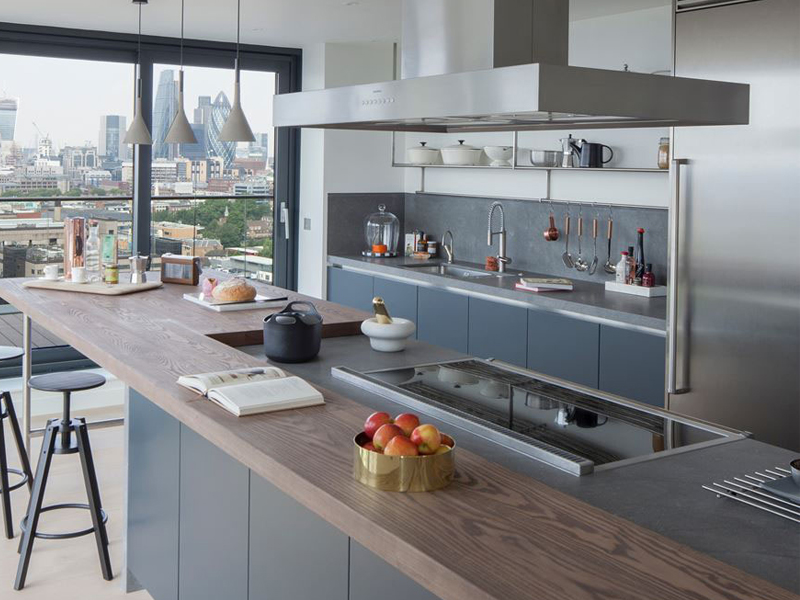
x=591, y=155
x=292, y=335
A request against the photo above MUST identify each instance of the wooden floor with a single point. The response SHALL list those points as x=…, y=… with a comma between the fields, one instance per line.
x=11, y=333
x=69, y=569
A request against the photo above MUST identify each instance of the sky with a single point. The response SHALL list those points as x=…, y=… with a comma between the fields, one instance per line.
x=66, y=97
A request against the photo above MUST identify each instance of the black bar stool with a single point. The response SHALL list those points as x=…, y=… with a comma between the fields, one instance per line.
x=7, y=412
x=58, y=439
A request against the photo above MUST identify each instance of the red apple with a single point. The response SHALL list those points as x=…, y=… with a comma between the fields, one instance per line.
x=427, y=439
x=407, y=422
x=400, y=445
x=370, y=446
x=384, y=434
x=374, y=422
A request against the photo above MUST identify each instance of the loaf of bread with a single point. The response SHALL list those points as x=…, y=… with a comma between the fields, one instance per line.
x=234, y=290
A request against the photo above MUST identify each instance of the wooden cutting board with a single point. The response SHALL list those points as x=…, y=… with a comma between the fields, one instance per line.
x=102, y=289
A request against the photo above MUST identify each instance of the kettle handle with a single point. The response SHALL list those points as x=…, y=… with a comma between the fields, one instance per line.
x=610, y=158
x=291, y=305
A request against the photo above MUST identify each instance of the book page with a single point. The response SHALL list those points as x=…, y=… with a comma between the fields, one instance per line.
x=203, y=382
x=266, y=395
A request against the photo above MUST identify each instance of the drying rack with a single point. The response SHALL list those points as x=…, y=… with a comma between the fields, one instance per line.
x=749, y=490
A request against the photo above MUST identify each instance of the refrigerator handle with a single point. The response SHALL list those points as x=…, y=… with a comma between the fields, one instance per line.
x=673, y=292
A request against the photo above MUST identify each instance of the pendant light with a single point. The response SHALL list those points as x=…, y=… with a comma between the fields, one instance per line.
x=236, y=128
x=138, y=133
x=180, y=132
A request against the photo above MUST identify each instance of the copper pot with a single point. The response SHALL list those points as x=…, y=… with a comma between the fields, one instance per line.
x=551, y=233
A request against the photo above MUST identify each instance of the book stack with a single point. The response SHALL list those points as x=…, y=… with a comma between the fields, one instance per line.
x=544, y=284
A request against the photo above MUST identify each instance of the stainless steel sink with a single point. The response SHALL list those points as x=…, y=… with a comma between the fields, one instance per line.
x=456, y=271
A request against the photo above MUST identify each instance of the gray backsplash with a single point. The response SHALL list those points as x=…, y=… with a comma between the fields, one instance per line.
x=525, y=220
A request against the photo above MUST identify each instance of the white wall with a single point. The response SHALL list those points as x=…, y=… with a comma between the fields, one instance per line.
x=642, y=39
x=339, y=161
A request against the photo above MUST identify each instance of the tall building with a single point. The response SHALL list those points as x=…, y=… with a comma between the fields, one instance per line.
x=112, y=132
x=195, y=151
x=8, y=118
x=202, y=114
x=164, y=109
x=219, y=114
x=78, y=157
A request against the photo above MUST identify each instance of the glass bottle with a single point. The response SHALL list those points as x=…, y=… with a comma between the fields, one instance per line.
x=663, y=153
x=622, y=268
x=648, y=279
x=639, y=256
x=631, y=270
x=93, y=254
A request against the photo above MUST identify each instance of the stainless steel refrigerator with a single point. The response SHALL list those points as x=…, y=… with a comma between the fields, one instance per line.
x=734, y=335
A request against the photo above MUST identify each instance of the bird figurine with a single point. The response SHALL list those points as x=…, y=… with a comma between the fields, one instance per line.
x=381, y=314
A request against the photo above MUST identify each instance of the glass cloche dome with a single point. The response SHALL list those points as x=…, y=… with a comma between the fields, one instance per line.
x=382, y=231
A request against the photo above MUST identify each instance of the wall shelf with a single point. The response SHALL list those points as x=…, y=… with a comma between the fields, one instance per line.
x=532, y=168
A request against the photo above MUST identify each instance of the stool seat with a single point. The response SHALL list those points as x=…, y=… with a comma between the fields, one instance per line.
x=10, y=352
x=66, y=382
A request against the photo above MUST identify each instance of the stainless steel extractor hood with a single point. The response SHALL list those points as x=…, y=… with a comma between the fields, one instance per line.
x=496, y=65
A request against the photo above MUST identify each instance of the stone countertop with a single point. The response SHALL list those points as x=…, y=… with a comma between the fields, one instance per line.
x=587, y=300
x=664, y=495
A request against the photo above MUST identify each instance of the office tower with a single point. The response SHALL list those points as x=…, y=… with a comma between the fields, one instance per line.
x=8, y=118
x=164, y=109
x=219, y=114
x=202, y=114
x=112, y=132
x=196, y=151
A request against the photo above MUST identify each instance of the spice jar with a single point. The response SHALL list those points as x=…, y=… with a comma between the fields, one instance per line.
x=112, y=274
x=648, y=279
x=663, y=153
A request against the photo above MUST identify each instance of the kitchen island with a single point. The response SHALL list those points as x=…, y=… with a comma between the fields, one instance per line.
x=248, y=507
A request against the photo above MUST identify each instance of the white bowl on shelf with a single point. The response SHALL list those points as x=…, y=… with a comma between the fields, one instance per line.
x=388, y=337
x=499, y=155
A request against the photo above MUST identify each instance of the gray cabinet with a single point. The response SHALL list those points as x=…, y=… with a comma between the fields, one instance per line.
x=153, y=497
x=498, y=331
x=350, y=289
x=214, y=497
x=443, y=319
x=563, y=347
x=632, y=365
x=400, y=298
x=372, y=577
x=294, y=554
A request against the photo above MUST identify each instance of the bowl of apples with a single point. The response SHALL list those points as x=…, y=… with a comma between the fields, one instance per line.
x=401, y=454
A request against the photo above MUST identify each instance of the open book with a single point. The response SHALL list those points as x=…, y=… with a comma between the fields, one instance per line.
x=255, y=390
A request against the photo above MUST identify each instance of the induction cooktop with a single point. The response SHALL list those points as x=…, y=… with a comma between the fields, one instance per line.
x=571, y=427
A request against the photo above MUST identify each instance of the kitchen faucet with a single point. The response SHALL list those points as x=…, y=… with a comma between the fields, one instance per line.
x=448, y=249
x=502, y=259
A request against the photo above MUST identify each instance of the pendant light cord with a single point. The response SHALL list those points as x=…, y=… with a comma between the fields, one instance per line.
x=238, y=26
x=182, y=13
x=139, y=57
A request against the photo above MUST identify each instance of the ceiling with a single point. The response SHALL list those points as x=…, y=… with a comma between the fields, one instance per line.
x=291, y=23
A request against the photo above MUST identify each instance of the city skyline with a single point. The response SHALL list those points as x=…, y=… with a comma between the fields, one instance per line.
x=75, y=121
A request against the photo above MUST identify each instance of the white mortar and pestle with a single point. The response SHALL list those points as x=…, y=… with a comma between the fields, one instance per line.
x=387, y=334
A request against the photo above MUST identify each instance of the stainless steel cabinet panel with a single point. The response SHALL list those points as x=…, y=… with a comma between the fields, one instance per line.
x=498, y=331
x=350, y=289
x=632, y=365
x=563, y=347
x=400, y=298
x=443, y=319
x=213, y=522
x=153, y=505
x=372, y=577
x=294, y=554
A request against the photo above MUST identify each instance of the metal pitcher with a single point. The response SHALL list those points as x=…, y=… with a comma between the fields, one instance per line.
x=138, y=269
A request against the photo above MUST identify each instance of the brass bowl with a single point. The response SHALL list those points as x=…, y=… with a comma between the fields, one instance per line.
x=402, y=473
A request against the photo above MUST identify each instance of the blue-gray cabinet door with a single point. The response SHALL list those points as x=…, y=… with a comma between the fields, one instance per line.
x=293, y=552
x=153, y=497
x=400, y=298
x=498, y=331
x=213, y=522
x=563, y=347
x=633, y=365
x=443, y=319
x=372, y=577
x=350, y=289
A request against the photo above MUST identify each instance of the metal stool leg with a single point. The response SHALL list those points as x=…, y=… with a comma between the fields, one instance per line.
x=93, y=492
x=23, y=455
x=35, y=504
x=6, y=493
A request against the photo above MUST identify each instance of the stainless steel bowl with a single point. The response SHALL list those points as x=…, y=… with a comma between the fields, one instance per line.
x=546, y=158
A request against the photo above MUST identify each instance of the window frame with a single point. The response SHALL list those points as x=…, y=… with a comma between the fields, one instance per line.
x=286, y=63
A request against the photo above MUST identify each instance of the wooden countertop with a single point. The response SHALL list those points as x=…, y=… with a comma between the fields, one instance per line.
x=491, y=534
